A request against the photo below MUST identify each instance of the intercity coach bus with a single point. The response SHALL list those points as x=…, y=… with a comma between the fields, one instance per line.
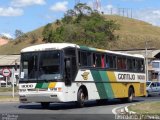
x=63, y=72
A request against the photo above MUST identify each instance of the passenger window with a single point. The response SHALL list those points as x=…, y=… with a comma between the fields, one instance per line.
x=102, y=61
x=84, y=58
x=121, y=63
x=134, y=65
x=107, y=62
x=112, y=61
x=129, y=64
x=98, y=60
x=140, y=65
x=83, y=61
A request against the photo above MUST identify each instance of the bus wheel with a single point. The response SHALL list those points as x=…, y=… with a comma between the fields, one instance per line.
x=147, y=94
x=81, y=98
x=130, y=94
x=45, y=105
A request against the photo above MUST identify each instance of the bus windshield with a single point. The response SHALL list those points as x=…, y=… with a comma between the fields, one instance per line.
x=41, y=66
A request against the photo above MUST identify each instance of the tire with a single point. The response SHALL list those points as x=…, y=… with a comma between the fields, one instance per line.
x=81, y=98
x=147, y=94
x=130, y=95
x=45, y=105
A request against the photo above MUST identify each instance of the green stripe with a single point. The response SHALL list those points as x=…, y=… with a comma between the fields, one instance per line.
x=42, y=85
x=88, y=48
x=104, y=76
x=108, y=87
x=39, y=85
x=100, y=86
x=45, y=85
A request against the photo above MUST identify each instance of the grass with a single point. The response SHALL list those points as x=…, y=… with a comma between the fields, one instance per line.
x=8, y=89
x=146, y=107
x=132, y=35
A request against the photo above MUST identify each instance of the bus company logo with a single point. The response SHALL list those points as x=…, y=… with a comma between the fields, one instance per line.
x=85, y=75
x=126, y=76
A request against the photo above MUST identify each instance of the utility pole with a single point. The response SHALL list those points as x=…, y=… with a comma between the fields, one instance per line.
x=97, y=5
x=146, y=56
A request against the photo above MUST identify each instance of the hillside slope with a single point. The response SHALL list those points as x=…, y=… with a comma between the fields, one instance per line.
x=3, y=41
x=132, y=35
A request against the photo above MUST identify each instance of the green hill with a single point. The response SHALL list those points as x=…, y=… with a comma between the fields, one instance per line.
x=132, y=35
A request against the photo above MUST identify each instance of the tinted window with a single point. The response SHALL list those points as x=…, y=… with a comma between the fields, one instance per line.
x=129, y=64
x=84, y=58
x=155, y=64
x=158, y=84
x=121, y=63
x=140, y=65
x=112, y=61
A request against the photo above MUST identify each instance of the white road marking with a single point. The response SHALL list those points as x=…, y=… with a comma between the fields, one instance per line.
x=114, y=109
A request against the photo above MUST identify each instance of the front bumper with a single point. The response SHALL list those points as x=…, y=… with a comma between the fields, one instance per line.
x=41, y=97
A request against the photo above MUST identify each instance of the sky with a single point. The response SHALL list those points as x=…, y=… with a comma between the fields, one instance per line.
x=28, y=15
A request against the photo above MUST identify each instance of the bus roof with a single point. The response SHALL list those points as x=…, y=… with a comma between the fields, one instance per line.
x=59, y=46
x=47, y=46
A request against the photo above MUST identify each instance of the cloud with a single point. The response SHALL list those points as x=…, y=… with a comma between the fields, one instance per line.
x=59, y=6
x=24, y=3
x=6, y=35
x=109, y=9
x=149, y=15
x=10, y=11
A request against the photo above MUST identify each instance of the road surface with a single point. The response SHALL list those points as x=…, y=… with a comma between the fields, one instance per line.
x=66, y=111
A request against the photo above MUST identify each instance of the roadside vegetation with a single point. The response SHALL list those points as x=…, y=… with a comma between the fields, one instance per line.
x=146, y=108
x=8, y=89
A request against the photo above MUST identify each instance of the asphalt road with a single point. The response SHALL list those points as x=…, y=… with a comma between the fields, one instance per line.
x=67, y=111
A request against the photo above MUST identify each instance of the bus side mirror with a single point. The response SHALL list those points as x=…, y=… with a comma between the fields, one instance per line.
x=67, y=71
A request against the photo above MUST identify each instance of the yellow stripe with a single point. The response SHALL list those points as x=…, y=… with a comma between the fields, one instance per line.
x=52, y=85
x=111, y=76
x=119, y=89
x=101, y=50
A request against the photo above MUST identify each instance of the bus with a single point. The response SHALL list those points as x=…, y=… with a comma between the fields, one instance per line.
x=64, y=72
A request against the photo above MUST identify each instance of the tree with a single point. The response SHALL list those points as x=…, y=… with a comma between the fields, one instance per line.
x=47, y=33
x=82, y=25
x=18, y=33
x=58, y=22
x=82, y=9
x=20, y=36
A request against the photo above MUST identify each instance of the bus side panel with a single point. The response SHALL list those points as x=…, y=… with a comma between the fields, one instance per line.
x=105, y=84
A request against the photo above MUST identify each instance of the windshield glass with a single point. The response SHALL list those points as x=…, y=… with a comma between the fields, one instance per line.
x=148, y=83
x=41, y=66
